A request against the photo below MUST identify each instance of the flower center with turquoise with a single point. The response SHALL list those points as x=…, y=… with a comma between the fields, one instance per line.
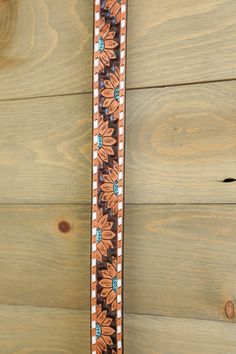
x=114, y=284
x=98, y=235
x=101, y=44
x=116, y=188
x=99, y=141
x=117, y=93
x=98, y=331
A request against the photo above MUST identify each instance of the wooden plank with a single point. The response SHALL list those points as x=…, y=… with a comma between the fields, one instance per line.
x=46, y=46
x=175, y=41
x=179, y=260
x=180, y=144
x=37, y=330
x=45, y=150
x=39, y=265
x=159, y=335
x=25, y=329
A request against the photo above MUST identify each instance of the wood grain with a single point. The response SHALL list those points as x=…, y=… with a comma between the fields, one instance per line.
x=175, y=41
x=31, y=330
x=179, y=260
x=180, y=146
x=46, y=46
x=25, y=330
x=45, y=150
x=39, y=265
x=159, y=335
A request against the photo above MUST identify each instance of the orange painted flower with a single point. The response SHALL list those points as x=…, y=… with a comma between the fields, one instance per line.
x=114, y=7
x=103, y=331
x=105, y=140
x=106, y=45
x=112, y=94
x=104, y=235
x=110, y=188
x=109, y=284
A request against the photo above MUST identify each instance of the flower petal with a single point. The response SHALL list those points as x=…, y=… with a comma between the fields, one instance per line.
x=108, y=93
x=108, y=235
x=102, y=344
x=111, y=270
x=107, y=187
x=104, y=58
x=109, y=4
x=108, y=84
x=107, y=322
x=102, y=248
x=101, y=317
x=110, y=44
x=113, y=106
x=107, y=331
x=115, y=9
x=105, y=292
x=111, y=297
x=102, y=220
x=114, y=80
x=107, y=102
x=105, y=274
x=110, y=53
x=104, y=30
x=102, y=155
x=106, y=283
x=106, y=196
x=110, y=35
x=108, y=141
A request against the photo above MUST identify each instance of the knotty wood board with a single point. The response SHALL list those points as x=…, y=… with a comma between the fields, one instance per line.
x=46, y=45
x=39, y=265
x=179, y=260
x=26, y=330
x=160, y=335
x=181, y=144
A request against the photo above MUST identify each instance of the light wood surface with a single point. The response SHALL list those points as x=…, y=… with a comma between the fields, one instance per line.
x=174, y=41
x=69, y=333
x=161, y=335
x=39, y=265
x=32, y=330
x=45, y=150
x=46, y=45
x=180, y=146
x=179, y=260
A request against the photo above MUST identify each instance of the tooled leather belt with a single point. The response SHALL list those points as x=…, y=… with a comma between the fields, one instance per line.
x=108, y=176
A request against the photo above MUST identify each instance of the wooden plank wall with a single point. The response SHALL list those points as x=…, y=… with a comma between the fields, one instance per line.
x=180, y=264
